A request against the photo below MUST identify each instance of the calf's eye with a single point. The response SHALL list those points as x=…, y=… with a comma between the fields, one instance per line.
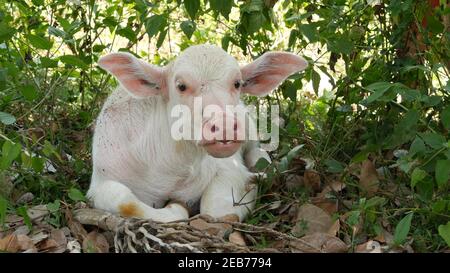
x=181, y=87
x=237, y=84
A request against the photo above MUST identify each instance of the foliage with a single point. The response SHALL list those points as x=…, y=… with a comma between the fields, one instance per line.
x=377, y=88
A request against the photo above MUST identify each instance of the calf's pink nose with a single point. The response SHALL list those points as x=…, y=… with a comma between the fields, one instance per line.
x=224, y=128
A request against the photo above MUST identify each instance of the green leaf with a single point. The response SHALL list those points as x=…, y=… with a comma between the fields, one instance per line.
x=188, y=28
x=29, y=92
x=3, y=207
x=98, y=48
x=425, y=188
x=405, y=130
x=434, y=25
x=76, y=195
x=440, y=206
x=49, y=150
x=444, y=231
x=315, y=81
x=225, y=42
x=7, y=118
x=56, y=32
x=283, y=165
x=294, y=152
x=155, y=24
x=261, y=164
x=417, y=146
x=253, y=21
x=375, y=201
x=445, y=117
x=378, y=89
x=39, y=42
x=341, y=45
x=110, y=22
x=309, y=31
x=22, y=211
x=6, y=32
x=48, y=63
x=417, y=176
x=10, y=151
x=161, y=38
x=38, y=164
x=253, y=5
x=293, y=37
x=434, y=140
x=290, y=91
x=192, y=7
x=360, y=157
x=73, y=61
x=442, y=172
x=222, y=6
x=334, y=166
x=128, y=33
x=38, y=2
x=26, y=160
x=53, y=207
x=402, y=229
x=353, y=217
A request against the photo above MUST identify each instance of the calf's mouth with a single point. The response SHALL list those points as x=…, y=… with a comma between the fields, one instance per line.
x=221, y=148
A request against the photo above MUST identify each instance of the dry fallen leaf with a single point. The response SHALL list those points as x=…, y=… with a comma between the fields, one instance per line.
x=37, y=212
x=10, y=244
x=17, y=243
x=38, y=236
x=237, y=238
x=330, y=206
x=229, y=218
x=368, y=180
x=316, y=219
x=26, y=244
x=294, y=181
x=75, y=227
x=385, y=237
x=13, y=218
x=312, y=180
x=278, y=244
x=274, y=205
x=60, y=238
x=320, y=242
x=218, y=229
x=25, y=198
x=47, y=245
x=334, y=229
x=199, y=224
x=95, y=243
x=22, y=230
x=337, y=186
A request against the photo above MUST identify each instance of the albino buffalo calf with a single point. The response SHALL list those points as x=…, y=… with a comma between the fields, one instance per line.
x=140, y=170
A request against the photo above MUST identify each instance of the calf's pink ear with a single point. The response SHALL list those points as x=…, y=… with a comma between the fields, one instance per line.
x=139, y=78
x=268, y=71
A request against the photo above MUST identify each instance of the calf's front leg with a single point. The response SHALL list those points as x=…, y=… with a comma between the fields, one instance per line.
x=230, y=193
x=117, y=198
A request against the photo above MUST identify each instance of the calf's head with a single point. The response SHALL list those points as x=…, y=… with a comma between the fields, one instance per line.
x=209, y=73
